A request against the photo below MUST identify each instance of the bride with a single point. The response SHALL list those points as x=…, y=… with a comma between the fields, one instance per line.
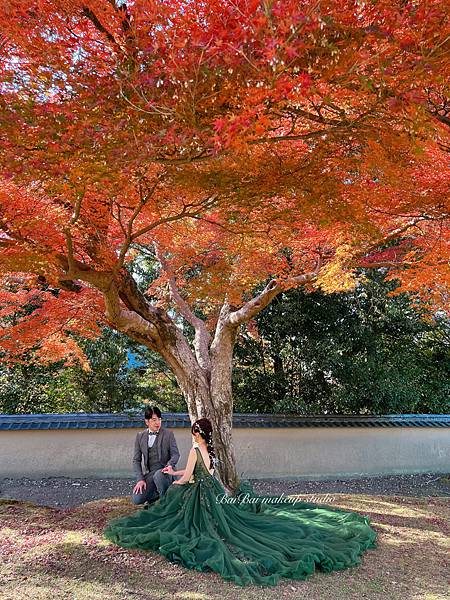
x=247, y=542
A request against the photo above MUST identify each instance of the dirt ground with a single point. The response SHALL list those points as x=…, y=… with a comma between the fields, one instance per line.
x=64, y=492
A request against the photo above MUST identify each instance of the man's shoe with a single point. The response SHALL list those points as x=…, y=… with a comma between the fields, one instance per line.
x=152, y=500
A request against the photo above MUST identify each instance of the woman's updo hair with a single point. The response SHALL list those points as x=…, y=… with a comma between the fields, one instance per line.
x=204, y=428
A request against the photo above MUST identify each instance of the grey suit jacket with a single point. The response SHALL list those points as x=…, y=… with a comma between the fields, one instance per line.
x=166, y=446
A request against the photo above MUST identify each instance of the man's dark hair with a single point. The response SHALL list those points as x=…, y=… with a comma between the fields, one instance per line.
x=150, y=411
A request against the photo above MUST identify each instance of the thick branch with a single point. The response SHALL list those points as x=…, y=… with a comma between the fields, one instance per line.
x=128, y=321
x=75, y=269
x=187, y=160
x=316, y=118
x=272, y=289
x=442, y=118
x=202, y=337
x=282, y=138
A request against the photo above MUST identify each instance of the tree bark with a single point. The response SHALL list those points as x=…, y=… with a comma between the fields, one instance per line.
x=222, y=396
x=213, y=399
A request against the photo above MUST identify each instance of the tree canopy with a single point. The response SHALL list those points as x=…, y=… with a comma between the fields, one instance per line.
x=233, y=140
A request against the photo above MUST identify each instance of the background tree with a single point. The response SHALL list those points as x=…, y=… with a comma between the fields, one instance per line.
x=358, y=352
x=237, y=144
x=122, y=375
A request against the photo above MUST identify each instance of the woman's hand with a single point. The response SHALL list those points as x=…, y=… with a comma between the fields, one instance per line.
x=186, y=474
x=169, y=470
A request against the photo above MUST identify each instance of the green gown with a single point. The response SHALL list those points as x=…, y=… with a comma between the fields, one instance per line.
x=247, y=539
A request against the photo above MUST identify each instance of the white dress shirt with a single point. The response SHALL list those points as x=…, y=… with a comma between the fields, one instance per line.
x=151, y=439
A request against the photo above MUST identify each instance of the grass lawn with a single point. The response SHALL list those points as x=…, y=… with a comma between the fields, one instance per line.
x=48, y=553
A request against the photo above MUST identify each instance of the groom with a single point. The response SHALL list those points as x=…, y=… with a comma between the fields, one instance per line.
x=158, y=448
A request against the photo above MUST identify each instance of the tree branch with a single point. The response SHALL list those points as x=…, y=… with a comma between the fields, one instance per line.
x=281, y=138
x=389, y=237
x=87, y=12
x=129, y=321
x=185, y=213
x=299, y=112
x=254, y=306
x=202, y=337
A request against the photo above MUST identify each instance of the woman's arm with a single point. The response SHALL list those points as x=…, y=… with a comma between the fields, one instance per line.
x=192, y=459
x=169, y=470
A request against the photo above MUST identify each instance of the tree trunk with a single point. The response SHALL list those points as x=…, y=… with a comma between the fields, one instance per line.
x=222, y=397
x=213, y=400
x=207, y=389
x=208, y=394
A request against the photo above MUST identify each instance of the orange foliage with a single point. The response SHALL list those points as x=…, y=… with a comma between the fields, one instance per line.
x=247, y=138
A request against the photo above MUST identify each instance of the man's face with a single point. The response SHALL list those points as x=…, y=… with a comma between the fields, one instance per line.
x=154, y=423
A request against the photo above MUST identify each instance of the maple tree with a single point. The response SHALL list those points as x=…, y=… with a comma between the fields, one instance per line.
x=240, y=145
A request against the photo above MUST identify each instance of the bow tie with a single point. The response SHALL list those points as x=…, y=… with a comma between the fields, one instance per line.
x=153, y=432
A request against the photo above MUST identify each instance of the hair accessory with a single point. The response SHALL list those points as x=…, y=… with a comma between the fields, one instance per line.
x=200, y=430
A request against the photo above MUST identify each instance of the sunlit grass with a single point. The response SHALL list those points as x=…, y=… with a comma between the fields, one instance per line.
x=58, y=554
